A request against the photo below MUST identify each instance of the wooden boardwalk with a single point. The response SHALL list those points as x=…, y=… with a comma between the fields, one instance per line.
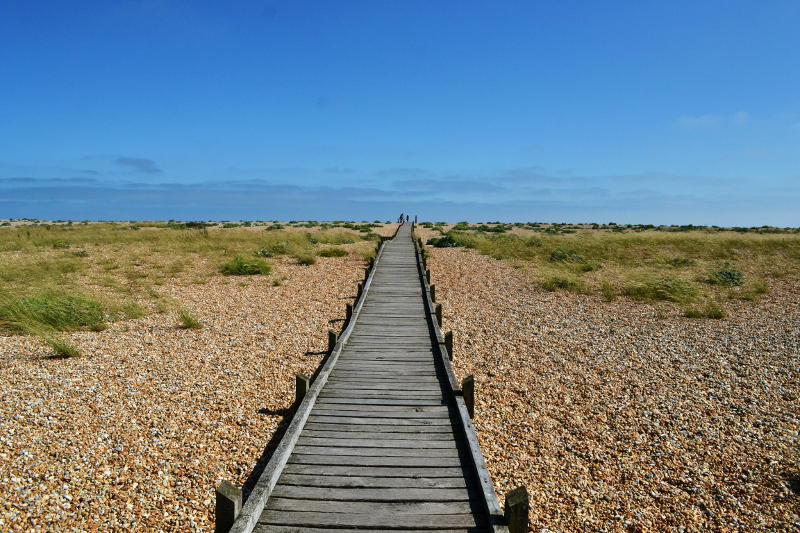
x=382, y=440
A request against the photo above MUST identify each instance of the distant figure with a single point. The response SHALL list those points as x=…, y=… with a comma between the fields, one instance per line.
x=415, y=219
x=407, y=218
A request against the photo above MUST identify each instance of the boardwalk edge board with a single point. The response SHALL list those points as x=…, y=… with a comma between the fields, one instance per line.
x=489, y=497
x=248, y=517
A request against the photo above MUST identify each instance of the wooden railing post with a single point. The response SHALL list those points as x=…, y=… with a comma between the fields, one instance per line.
x=301, y=385
x=229, y=503
x=433, y=293
x=359, y=290
x=332, y=339
x=348, y=312
x=516, y=511
x=448, y=344
x=428, y=274
x=468, y=392
x=438, y=311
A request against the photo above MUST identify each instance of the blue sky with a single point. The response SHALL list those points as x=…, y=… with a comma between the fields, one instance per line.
x=641, y=112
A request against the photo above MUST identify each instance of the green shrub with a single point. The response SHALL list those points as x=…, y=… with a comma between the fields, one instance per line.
x=305, y=259
x=60, y=244
x=681, y=262
x=239, y=266
x=565, y=255
x=62, y=347
x=558, y=282
x=443, y=242
x=707, y=310
x=187, y=320
x=608, y=290
x=728, y=277
x=58, y=312
x=81, y=253
x=265, y=252
x=332, y=252
x=669, y=289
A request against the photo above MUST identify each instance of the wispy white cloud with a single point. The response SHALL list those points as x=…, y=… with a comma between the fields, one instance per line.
x=709, y=121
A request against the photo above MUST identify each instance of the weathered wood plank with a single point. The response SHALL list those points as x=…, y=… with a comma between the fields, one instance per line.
x=307, y=519
x=370, y=494
x=313, y=480
x=367, y=442
x=443, y=462
x=374, y=471
x=400, y=508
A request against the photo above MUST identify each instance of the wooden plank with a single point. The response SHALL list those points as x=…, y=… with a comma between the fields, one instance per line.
x=380, y=414
x=386, y=401
x=411, y=421
x=308, y=519
x=366, y=442
x=444, y=462
x=268, y=528
x=368, y=471
x=406, y=494
x=382, y=408
x=380, y=428
x=314, y=480
x=377, y=435
x=399, y=508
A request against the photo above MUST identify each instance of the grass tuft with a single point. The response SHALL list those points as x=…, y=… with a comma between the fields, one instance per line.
x=239, y=266
x=54, y=311
x=187, y=320
x=62, y=348
x=305, y=259
x=662, y=289
x=332, y=252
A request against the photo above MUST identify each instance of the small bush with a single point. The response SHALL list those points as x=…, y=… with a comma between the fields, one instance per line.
x=332, y=252
x=609, y=291
x=565, y=255
x=443, y=242
x=305, y=259
x=728, y=277
x=558, y=282
x=62, y=347
x=187, y=320
x=239, y=266
x=669, y=289
x=679, y=262
x=708, y=310
x=265, y=252
x=60, y=244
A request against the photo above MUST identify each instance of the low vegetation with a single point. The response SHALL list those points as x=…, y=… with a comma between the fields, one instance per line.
x=61, y=277
x=187, y=320
x=697, y=269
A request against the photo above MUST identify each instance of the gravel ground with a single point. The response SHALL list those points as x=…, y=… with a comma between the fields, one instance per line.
x=135, y=435
x=622, y=416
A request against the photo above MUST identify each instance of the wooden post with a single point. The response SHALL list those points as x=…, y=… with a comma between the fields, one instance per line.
x=516, y=510
x=301, y=386
x=348, y=312
x=229, y=503
x=433, y=293
x=332, y=338
x=428, y=274
x=366, y=273
x=468, y=392
x=448, y=344
x=360, y=289
x=438, y=311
